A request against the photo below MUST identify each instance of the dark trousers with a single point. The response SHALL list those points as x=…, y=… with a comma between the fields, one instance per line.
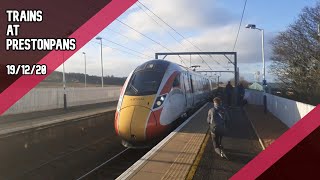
x=217, y=135
x=240, y=100
x=218, y=140
x=229, y=98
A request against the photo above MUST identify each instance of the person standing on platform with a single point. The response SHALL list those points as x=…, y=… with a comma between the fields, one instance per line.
x=229, y=90
x=216, y=121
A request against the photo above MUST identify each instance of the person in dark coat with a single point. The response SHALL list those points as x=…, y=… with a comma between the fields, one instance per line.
x=216, y=121
x=229, y=90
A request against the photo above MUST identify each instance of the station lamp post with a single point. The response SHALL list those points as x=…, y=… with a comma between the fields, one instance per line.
x=64, y=85
x=264, y=82
x=218, y=78
x=85, y=69
x=253, y=26
x=99, y=38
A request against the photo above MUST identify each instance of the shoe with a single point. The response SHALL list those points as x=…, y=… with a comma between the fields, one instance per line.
x=223, y=155
x=217, y=150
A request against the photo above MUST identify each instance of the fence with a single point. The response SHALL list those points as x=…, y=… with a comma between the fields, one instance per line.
x=39, y=99
x=288, y=111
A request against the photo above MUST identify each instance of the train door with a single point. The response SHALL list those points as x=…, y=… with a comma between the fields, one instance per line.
x=183, y=87
x=188, y=90
x=176, y=98
x=192, y=90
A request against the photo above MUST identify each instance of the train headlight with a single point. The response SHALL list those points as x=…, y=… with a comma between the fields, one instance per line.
x=159, y=101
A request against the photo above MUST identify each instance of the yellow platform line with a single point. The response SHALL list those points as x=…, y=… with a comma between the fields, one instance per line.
x=196, y=162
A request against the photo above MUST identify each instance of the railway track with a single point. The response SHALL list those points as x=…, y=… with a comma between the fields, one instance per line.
x=65, y=151
x=113, y=167
x=86, y=148
x=54, y=162
x=101, y=165
x=82, y=149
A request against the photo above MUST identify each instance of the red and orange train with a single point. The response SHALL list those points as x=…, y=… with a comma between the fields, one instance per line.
x=154, y=96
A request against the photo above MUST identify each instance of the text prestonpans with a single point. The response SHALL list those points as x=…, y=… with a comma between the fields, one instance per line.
x=40, y=44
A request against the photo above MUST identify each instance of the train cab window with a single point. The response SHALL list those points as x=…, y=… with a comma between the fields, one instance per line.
x=144, y=83
x=176, y=82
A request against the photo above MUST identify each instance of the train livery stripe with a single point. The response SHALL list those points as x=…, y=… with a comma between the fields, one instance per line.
x=154, y=127
x=168, y=85
x=125, y=84
x=116, y=122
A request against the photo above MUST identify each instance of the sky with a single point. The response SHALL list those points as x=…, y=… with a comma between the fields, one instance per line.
x=210, y=25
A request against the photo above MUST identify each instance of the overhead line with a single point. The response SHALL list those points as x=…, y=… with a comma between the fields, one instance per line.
x=143, y=35
x=176, y=32
x=243, y=10
x=137, y=42
x=146, y=37
x=167, y=24
x=165, y=30
x=160, y=25
x=118, y=49
x=125, y=47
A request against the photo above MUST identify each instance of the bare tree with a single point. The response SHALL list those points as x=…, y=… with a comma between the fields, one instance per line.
x=296, y=55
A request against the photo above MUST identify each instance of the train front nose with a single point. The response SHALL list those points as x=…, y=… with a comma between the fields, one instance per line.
x=132, y=123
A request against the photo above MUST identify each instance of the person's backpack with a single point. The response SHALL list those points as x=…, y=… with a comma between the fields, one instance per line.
x=226, y=118
x=219, y=116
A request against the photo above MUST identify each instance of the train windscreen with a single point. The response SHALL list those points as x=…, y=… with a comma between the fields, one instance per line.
x=144, y=83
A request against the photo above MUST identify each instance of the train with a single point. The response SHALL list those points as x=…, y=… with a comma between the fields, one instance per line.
x=154, y=96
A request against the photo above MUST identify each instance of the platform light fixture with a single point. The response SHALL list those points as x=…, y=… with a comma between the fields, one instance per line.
x=99, y=38
x=253, y=26
x=85, y=69
x=264, y=83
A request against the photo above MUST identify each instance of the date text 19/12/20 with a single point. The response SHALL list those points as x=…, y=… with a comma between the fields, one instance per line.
x=26, y=69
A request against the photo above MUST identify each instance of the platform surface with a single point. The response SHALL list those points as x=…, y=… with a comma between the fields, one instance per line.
x=188, y=153
x=241, y=142
x=172, y=157
x=267, y=125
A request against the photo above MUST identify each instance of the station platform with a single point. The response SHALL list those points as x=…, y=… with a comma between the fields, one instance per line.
x=268, y=127
x=187, y=152
x=11, y=124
